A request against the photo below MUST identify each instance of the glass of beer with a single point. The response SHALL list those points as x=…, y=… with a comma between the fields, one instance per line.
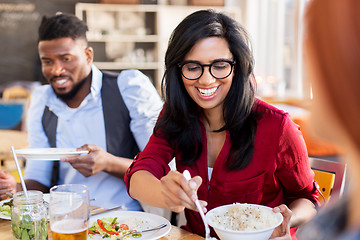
x=69, y=212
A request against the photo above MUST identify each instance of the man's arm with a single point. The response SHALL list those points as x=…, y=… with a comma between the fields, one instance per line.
x=8, y=184
x=32, y=185
x=98, y=160
x=38, y=171
x=143, y=102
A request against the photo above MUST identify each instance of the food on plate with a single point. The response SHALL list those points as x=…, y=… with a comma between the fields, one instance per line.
x=244, y=217
x=109, y=227
x=5, y=208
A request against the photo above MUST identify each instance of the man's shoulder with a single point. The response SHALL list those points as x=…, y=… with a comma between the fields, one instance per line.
x=40, y=97
x=132, y=75
x=42, y=94
x=42, y=91
x=134, y=80
x=124, y=73
x=125, y=77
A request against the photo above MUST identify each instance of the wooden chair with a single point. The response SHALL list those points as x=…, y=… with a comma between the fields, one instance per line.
x=330, y=176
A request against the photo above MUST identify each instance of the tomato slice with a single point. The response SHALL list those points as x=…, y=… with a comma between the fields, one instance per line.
x=124, y=227
x=101, y=225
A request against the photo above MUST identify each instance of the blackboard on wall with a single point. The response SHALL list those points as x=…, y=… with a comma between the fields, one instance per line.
x=18, y=34
x=19, y=21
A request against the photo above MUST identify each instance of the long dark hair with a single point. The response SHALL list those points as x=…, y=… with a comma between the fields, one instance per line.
x=179, y=121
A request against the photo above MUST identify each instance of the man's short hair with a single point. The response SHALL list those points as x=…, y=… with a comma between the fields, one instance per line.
x=62, y=25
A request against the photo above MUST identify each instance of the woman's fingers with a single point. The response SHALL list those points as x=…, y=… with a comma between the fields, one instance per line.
x=282, y=232
x=176, y=190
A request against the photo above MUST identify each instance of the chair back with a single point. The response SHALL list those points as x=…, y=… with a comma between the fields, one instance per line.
x=330, y=175
x=11, y=114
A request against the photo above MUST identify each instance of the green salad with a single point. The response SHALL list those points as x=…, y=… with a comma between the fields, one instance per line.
x=5, y=208
x=110, y=228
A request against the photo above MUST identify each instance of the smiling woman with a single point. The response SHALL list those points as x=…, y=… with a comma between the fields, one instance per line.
x=208, y=89
x=236, y=147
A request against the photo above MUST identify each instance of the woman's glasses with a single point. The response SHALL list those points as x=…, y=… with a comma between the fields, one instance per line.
x=219, y=69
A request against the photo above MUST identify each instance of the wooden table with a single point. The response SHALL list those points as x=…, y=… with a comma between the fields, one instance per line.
x=175, y=233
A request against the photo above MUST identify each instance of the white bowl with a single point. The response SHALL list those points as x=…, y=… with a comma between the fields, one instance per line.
x=217, y=219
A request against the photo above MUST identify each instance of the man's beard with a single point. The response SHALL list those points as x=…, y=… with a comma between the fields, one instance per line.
x=70, y=95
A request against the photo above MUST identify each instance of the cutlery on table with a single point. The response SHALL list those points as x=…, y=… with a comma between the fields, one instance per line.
x=187, y=176
x=103, y=210
x=142, y=231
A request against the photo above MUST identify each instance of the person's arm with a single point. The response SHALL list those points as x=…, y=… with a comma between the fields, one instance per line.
x=297, y=179
x=143, y=102
x=303, y=210
x=298, y=213
x=8, y=185
x=98, y=160
x=33, y=185
x=294, y=171
x=172, y=191
x=37, y=174
x=140, y=190
x=168, y=189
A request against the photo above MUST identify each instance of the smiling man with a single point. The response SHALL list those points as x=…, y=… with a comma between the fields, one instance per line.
x=110, y=115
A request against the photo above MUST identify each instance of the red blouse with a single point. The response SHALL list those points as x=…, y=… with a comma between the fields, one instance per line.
x=279, y=171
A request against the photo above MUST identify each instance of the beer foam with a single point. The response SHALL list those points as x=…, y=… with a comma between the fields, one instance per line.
x=69, y=226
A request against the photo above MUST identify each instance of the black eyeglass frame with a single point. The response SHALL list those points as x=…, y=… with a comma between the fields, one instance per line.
x=231, y=62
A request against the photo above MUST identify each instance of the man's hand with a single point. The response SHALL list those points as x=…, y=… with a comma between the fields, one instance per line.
x=92, y=163
x=7, y=184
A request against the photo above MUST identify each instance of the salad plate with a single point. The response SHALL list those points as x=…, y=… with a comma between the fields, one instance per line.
x=5, y=211
x=135, y=221
x=6, y=214
x=48, y=153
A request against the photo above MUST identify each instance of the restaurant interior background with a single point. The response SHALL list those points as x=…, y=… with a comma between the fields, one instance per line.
x=134, y=34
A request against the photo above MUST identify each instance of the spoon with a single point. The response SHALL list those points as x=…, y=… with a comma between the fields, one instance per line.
x=187, y=176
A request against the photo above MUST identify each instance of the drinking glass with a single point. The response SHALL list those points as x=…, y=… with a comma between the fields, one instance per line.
x=69, y=212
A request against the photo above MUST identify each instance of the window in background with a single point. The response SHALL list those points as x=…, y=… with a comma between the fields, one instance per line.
x=275, y=28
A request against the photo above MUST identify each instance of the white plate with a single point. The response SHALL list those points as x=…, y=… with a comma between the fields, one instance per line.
x=2, y=215
x=48, y=153
x=138, y=221
x=46, y=197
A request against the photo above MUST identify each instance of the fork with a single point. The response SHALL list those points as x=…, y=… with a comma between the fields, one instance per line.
x=142, y=231
x=187, y=176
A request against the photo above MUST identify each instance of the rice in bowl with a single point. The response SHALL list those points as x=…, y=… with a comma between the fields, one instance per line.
x=249, y=221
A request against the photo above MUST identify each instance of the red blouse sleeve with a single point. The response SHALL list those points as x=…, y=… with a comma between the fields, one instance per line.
x=294, y=169
x=154, y=158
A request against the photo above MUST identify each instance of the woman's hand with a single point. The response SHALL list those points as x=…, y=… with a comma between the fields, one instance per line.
x=179, y=193
x=282, y=232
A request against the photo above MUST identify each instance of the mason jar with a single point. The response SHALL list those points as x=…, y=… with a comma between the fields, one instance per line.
x=29, y=216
